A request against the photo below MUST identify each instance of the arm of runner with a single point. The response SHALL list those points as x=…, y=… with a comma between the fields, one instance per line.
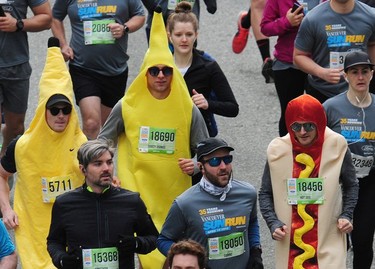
x=58, y=31
x=303, y=61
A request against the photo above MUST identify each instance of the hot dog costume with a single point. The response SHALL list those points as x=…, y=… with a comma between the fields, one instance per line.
x=314, y=240
x=45, y=160
x=153, y=134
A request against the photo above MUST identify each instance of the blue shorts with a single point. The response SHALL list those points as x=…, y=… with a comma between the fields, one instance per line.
x=87, y=83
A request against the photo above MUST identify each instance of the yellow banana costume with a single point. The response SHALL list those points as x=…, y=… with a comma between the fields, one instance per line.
x=156, y=176
x=44, y=158
x=314, y=241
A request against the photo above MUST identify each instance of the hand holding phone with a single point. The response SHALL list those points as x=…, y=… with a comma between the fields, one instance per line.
x=295, y=6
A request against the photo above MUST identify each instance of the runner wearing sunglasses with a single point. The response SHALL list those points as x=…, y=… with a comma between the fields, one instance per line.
x=155, y=124
x=220, y=212
x=45, y=159
x=309, y=190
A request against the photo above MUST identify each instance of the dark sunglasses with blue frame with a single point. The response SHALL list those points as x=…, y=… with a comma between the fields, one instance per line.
x=216, y=161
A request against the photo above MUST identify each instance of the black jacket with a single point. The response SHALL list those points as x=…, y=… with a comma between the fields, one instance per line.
x=206, y=77
x=84, y=220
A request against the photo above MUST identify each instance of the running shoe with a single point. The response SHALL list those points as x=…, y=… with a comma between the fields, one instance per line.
x=267, y=71
x=240, y=38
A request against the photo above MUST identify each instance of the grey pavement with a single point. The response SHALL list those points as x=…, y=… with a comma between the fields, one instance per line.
x=255, y=126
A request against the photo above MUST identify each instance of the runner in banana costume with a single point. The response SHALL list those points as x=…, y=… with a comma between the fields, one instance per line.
x=45, y=159
x=154, y=133
x=309, y=190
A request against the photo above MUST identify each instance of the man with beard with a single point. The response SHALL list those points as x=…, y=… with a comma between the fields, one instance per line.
x=98, y=225
x=219, y=212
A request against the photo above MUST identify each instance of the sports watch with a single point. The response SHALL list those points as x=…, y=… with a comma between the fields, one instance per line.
x=19, y=25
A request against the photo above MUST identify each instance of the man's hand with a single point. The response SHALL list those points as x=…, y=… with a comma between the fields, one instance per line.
x=10, y=218
x=344, y=225
x=280, y=233
x=331, y=75
x=67, y=53
x=69, y=261
x=8, y=23
x=127, y=244
x=186, y=165
x=116, y=29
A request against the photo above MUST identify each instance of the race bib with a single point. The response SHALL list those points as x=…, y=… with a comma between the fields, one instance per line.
x=103, y=258
x=54, y=186
x=98, y=32
x=156, y=140
x=336, y=59
x=225, y=247
x=362, y=165
x=305, y=191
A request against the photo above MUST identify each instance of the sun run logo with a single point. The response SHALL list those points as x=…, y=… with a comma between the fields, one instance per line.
x=91, y=10
x=223, y=224
x=352, y=134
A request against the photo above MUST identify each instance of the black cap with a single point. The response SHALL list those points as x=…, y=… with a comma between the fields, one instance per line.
x=356, y=58
x=210, y=145
x=57, y=98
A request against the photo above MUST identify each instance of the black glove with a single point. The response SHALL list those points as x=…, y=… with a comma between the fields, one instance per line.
x=127, y=243
x=255, y=260
x=69, y=261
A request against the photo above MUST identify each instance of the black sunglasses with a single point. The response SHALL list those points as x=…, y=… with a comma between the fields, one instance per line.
x=308, y=126
x=66, y=110
x=166, y=70
x=216, y=161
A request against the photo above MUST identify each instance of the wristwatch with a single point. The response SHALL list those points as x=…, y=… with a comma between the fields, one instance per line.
x=126, y=29
x=19, y=25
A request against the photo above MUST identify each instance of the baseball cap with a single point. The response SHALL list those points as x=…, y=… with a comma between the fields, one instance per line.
x=356, y=58
x=57, y=98
x=210, y=145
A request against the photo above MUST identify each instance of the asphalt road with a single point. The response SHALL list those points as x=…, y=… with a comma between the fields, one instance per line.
x=255, y=126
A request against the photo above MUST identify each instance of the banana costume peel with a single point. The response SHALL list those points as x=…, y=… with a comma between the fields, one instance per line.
x=309, y=250
x=156, y=176
x=43, y=154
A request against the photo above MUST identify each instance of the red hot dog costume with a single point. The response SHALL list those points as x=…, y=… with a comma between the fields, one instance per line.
x=321, y=245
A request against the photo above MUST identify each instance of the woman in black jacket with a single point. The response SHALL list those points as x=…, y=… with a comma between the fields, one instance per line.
x=207, y=84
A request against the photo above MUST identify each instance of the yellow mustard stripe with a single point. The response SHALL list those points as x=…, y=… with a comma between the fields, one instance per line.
x=309, y=250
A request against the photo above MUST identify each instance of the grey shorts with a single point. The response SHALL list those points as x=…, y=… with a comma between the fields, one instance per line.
x=14, y=87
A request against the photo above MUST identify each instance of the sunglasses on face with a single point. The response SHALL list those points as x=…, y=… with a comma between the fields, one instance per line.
x=308, y=126
x=56, y=110
x=216, y=161
x=166, y=70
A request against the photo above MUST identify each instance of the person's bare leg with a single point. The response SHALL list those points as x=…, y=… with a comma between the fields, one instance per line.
x=263, y=42
x=105, y=112
x=15, y=125
x=90, y=108
x=257, y=7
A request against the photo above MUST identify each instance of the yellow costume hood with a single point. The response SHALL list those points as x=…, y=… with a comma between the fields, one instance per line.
x=47, y=165
x=155, y=175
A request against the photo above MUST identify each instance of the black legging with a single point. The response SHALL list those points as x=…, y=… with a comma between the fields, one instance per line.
x=289, y=83
x=364, y=223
